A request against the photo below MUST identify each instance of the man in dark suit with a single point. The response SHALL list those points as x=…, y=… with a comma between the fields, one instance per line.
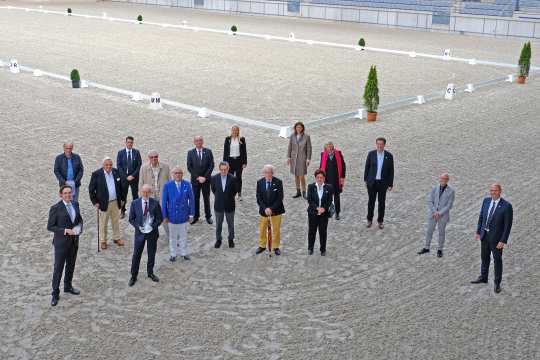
x=65, y=222
x=68, y=169
x=145, y=216
x=128, y=162
x=319, y=201
x=224, y=186
x=270, y=201
x=493, y=230
x=200, y=163
x=379, y=178
x=107, y=195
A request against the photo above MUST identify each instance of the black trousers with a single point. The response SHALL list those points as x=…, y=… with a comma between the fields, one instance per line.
x=134, y=185
x=138, y=248
x=376, y=191
x=487, y=248
x=337, y=201
x=236, y=170
x=320, y=223
x=205, y=189
x=65, y=255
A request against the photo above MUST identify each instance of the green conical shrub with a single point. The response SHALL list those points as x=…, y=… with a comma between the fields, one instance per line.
x=371, y=91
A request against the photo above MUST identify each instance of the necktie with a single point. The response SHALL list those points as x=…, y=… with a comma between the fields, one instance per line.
x=200, y=155
x=178, y=186
x=490, y=215
x=145, y=208
x=268, y=185
x=71, y=212
x=129, y=161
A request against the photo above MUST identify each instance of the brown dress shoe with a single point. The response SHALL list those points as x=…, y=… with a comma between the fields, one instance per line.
x=381, y=226
x=119, y=242
x=103, y=246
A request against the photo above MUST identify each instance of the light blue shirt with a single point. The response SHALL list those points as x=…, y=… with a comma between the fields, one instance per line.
x=380, y=160
x=223, y=182
x=111, y=187
x=70, y=210
x=70, y=175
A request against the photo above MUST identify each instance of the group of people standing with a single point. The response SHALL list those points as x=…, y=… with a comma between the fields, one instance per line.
x=161, y=197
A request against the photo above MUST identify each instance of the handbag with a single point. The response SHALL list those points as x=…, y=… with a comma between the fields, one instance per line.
x=331, y=210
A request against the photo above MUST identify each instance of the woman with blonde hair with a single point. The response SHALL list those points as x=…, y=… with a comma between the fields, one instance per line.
x=299, y=157
x=235, y=153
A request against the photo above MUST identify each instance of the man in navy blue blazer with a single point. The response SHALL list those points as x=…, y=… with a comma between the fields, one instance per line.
x=145, y=216
x=128, y=162
x=379, y=178
x=493, y=230
x=69, y=170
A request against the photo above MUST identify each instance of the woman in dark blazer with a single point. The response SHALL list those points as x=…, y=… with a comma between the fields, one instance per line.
x=319, y=196
x=235, y=153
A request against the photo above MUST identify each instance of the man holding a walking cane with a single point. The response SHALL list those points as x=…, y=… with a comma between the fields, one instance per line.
x=271, y=209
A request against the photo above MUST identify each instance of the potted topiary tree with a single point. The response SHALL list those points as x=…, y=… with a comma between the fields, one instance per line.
x=75, y=79
x=524, y=63
x=139, y=19
x=362, y=43
x=371, y=94
x=234, y=29
x=69, y=11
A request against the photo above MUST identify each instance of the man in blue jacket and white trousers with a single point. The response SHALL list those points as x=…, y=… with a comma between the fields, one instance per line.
x=493, y=230
x=178, y=206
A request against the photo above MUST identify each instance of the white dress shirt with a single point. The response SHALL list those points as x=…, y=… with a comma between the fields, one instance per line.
x=235, y=148
x=492, y=205
x=380, y=160
x=320, y=191
x=223, y=182
x=148, y=219
x=128, y=154
x=71, y=210
x=155, y=171
x=111, y=187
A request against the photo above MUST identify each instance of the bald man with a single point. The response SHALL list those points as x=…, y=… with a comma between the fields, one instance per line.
x=440, y=201
x=493, y=231
x=107, y=195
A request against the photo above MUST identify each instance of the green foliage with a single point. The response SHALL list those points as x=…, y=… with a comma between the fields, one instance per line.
x=75, y=75
x=139, y=18
x=524, y=63
x=362, y=42
x=371, y=91
x=234, y=28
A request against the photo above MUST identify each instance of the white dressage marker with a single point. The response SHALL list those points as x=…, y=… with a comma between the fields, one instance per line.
x=155, y=101
x=84, y=84
x=285, y=131
x=203, y=113
x=470, y=88
x=37, y=73
x=361, y=114
x=472, y=62
x=267, y=37
x=14, y=66
x=291, y=36
x=447, y=53
x=450, y=91
x=136, y=96
x=510, y=78
x=412, y=54
x=420, y=100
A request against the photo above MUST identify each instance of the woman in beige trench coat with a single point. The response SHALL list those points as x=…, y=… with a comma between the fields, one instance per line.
x=299, y=157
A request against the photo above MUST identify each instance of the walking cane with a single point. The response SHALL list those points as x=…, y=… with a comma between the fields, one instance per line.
x=97, y=214
x=269, y=236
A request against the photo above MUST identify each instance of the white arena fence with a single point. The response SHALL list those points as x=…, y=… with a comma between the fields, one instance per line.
x=460, y=23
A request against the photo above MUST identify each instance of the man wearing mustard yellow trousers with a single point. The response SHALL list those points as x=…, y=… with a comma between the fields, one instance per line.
x=270, y=201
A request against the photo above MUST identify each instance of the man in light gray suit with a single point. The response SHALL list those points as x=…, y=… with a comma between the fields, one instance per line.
x=440, y=201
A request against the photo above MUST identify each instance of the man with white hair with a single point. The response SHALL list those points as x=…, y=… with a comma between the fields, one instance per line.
x=270, y=201
x=178, y=207
x=440, y=201
x=145, y=216
x=155, y=174
x=68, y=169
x=107, y=195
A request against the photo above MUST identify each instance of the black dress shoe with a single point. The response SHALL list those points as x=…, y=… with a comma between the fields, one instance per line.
x=54, y=300
x=480, y=280
x=132, y=281
x=72, y=291
x=186, y=258
x=153, y=277
x=122, y=214
x=497, y=288
x=310, y=252
x=231, y=244
x=210, y=221
x=337, y=216
x=323, y=253
x=277, y=252
x=369, y=223
x=297, y=195
x=259, y=250
x=172, y=259
x=194, y=221
x=304, y=195
x=423, y=251
x=381, y=225
x=439, y=253
x=217, y=245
